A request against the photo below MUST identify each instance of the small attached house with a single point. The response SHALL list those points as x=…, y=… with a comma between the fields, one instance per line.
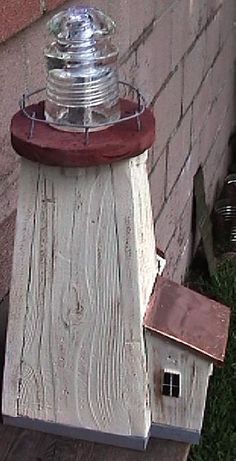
x=186, y=334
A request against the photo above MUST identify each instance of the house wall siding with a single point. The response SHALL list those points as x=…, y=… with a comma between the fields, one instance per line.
x=186, y=411
x=181, y=55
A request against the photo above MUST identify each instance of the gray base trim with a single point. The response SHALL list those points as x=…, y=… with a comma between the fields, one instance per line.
x=135, y=443
x=158, y=431
x=179, y=434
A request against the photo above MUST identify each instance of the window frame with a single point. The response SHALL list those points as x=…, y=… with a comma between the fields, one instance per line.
x=170, y=385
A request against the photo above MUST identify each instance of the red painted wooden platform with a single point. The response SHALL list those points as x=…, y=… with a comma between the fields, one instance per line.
x=50, y=146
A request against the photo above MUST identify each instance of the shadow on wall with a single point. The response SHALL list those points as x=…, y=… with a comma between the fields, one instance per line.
x=3, y=328
x=232, y=139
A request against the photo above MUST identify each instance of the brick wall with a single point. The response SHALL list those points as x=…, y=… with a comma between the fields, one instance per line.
x=181, y=55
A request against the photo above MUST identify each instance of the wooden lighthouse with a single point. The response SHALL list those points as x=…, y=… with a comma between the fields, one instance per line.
x=99, y=346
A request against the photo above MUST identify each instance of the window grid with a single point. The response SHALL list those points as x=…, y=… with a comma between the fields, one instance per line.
x=171, y=384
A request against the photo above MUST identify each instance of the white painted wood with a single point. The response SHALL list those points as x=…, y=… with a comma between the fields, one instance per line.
x=84, y=267
x=186, y=411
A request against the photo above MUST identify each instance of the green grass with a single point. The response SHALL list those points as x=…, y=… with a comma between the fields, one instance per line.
x=218, y=441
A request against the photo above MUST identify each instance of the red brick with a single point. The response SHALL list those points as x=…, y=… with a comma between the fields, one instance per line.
x=34, y=39
x=196, y=153
x=223, y=66
x=166, y=223
x=179, y=42
x=229, y=53
x=210, y=168
x=180, y=240
x=218, y=73
x=154, y=58
x=227, y=18
x=188, y=19
x=120, y=12
x=143, y=13
x=12, y=79
x=153, y=157
x=212, y=6
x=215, y=119
x=12, y=84
x=8, y=194
x=128, y=70
x=16, y=15
x=201, y=11
x=129, y=25
x=179, y=271
x=218, y=156
x=157, y=185
x=193, y=71
x=179, y=149
x=202, y=105
x=51, y=4
x=8, y=159
x=212, y=41
x=167, y=111
x=6, y=250
x=19, y=14
x=222, y=169
x=208, y=135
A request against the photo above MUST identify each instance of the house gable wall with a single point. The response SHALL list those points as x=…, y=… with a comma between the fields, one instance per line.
x=186, y=411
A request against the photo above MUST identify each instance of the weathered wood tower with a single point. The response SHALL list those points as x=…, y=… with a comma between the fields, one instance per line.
x=84, y=269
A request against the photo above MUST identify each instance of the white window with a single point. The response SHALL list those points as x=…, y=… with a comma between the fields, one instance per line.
x=171, y=383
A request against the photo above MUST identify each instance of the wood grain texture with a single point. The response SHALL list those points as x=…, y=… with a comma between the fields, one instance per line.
x=186, y=411
x=23, y=445
x=84, y=267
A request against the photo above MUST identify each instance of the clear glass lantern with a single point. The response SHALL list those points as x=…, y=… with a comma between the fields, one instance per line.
x=82, y=85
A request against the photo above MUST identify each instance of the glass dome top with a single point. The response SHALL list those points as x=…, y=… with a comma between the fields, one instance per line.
x=79, y=24
x=82, y=84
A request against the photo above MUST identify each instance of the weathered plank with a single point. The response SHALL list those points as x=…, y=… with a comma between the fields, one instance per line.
x=186, y=411
x=84, y=267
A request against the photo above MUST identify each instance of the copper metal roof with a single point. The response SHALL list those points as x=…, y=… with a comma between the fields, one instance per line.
x=189, y=318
